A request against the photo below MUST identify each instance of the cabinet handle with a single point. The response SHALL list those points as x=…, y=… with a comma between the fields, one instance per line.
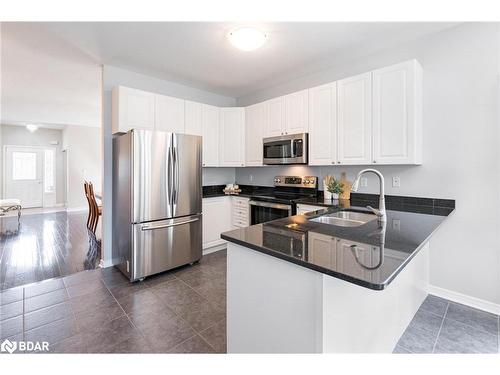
x=338, y=162
x=374, y=161
x=333, y=162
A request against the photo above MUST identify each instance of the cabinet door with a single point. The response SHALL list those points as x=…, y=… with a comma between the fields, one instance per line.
x=322, y=250
x=232, y=137
x=397, y=107
x=256, y=117
x=304, y=208
x=355, y=120
x=210, y=133
x=350, y=254
x=132, y=109
x=192, y=118
x=296, y=112
x=275, y=124
x=323, y=124
x=169, y=114
x=216, y=219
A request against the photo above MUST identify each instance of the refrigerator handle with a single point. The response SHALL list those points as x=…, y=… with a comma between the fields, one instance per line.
x=176, y=175
x=170, y=176
x=147, y=227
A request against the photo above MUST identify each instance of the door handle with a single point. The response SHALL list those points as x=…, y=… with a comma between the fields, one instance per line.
x=147, y=227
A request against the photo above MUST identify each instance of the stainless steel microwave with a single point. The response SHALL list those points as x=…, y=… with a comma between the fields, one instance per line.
x=286, y=149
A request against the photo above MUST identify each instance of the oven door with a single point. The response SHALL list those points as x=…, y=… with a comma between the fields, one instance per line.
x=288, y=149
x=261, y=212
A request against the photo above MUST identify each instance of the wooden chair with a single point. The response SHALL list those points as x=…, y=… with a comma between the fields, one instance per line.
x=94, y=209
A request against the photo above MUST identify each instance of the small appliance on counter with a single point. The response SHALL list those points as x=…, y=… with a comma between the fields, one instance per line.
x=157, y=210
x=281, y=203
x=232, y=189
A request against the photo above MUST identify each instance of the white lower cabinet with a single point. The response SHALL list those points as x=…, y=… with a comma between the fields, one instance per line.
x=216, y=219
x=305, y=208
x=240, y=212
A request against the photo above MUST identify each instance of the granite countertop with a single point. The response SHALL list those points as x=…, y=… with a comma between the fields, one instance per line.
x=370, y=255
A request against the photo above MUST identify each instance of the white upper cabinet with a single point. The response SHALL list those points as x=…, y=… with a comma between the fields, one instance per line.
x=192, y=118
x=397, y=114
x=276, y=123
x=169, y=114
x=232, y=137
x=288, y=114
x=355, y=120
x=256, y=118
x=323, y=124
x=132, y=109
x=210, y=133
x=296, y=110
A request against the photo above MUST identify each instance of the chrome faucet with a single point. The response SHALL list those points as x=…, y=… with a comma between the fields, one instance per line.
x=382, y=217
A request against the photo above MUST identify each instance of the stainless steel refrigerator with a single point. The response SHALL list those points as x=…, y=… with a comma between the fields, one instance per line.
x=157, y=192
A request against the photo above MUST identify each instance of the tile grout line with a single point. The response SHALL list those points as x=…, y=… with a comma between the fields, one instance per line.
x=440, y=328
x=124, y=312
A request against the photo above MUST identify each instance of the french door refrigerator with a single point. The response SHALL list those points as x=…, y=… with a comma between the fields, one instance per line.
x=157, y=192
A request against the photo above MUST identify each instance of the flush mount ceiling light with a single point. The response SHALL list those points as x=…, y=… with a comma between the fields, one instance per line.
x=247, y=38
x=32, y=128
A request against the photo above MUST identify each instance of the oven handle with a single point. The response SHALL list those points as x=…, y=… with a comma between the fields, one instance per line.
x=279, y=206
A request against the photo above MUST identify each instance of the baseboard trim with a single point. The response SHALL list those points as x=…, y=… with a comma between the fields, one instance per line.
x=77, y=209
x=464, y=299
x=214, y=249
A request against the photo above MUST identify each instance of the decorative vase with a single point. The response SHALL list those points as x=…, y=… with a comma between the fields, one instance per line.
x=335, y=196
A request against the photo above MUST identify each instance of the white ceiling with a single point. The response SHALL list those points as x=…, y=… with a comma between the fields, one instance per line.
x=198, y=54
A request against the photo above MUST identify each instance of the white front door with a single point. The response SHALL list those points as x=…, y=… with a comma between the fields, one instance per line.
x=24, y=175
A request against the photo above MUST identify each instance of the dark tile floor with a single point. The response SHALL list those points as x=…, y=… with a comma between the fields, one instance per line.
x=441, y=326
x=183, y=311
x=99, y=311
x=46, y=246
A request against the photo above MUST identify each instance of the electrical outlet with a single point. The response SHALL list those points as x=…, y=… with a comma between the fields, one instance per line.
x=396, y=182
x=396, y=224
x=364, y=182
x=250, y=177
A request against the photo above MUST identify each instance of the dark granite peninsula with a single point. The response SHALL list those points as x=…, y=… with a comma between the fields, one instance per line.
x=341, y=288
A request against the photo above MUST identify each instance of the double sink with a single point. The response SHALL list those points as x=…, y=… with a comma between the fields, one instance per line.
x=346, y=218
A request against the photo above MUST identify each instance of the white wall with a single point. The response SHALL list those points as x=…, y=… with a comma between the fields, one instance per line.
x=20, y=136
x=47, y=80
x=84, y=163
x=461, y=153
x=113, y=76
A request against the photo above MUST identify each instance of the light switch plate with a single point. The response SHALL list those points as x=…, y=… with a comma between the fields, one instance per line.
x=364, y=182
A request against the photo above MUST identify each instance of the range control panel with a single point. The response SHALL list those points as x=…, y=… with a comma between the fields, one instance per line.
x=296, y=181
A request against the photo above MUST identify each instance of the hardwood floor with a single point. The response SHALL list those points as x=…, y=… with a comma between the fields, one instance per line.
x=45, y=246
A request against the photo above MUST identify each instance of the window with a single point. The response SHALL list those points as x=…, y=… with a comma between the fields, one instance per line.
x=49, y=171
x=23, y=166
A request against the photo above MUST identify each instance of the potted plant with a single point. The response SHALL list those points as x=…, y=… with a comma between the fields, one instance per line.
x=332, y=188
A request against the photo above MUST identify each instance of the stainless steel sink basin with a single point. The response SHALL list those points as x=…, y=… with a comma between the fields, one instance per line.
x=346, y=218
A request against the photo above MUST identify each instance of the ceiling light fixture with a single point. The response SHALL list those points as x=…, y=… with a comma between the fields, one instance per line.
x=32, y=128
x=247, y=38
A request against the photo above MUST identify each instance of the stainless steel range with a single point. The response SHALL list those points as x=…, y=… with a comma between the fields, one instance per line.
x=281, y=203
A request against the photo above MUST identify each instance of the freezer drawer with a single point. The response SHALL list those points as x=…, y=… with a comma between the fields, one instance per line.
x=162, y=245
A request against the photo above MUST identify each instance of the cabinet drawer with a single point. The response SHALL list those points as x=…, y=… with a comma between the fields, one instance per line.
x=240, y=223
x=240, y=201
